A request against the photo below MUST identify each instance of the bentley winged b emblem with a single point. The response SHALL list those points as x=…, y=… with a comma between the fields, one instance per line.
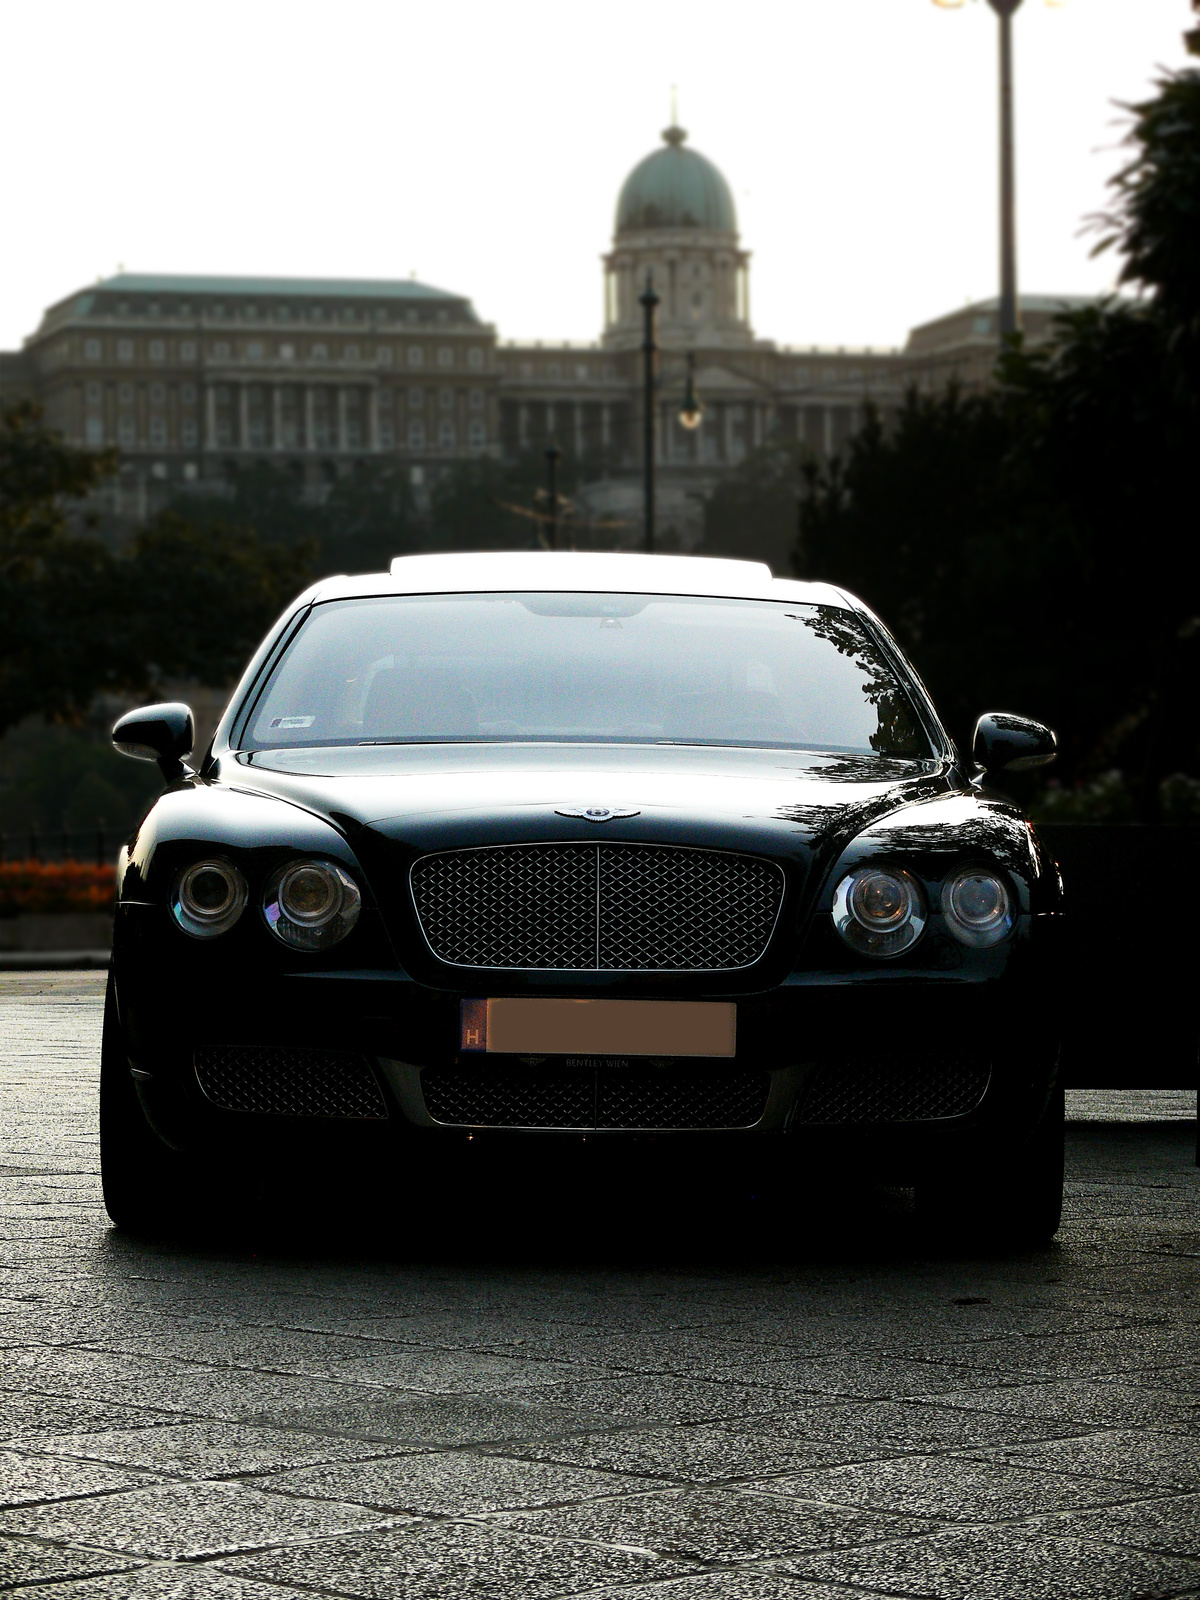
x=595, y=813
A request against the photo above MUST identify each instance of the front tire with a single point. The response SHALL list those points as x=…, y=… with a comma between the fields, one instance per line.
x=145, y=1182
x=1012, y=1200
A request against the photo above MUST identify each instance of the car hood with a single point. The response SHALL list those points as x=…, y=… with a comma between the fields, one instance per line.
x=445, y=795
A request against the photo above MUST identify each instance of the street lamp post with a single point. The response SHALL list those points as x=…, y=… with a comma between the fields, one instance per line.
x=553, y=456
x=1010, y=319
x=648, y=301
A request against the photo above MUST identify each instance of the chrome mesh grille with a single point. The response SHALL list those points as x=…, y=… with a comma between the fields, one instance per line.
x=289, y=1083
x=587, y=1098
x=612, y=907
x=896, y=1089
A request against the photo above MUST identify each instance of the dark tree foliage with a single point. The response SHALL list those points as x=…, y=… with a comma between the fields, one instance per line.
x=496, y=505
x=77, y=618
x=753, y=514
x=1034, y=547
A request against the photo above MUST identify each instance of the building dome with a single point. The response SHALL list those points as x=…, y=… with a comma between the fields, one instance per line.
x=675, y=188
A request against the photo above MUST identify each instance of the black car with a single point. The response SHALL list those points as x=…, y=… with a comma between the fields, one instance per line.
x=529, y=849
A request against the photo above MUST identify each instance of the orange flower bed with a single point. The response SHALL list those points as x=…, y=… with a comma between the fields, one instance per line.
x=55, y=886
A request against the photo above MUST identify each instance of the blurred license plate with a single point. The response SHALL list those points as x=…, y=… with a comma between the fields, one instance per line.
x=599, y=1027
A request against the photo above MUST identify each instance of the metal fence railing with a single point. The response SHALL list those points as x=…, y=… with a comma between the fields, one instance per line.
x=99, y=844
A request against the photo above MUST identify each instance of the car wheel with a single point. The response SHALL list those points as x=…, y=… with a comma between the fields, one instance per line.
x=144, y=1181
x=1012, y=1201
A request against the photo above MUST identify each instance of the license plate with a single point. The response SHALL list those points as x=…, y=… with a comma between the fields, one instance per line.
x=599, y=1027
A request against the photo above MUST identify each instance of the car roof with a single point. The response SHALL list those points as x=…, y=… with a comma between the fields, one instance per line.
x=491, y=571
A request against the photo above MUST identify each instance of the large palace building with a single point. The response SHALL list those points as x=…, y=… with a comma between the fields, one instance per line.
x=192, y=376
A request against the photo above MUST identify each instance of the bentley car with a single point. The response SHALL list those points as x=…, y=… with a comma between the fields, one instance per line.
x=512, y=852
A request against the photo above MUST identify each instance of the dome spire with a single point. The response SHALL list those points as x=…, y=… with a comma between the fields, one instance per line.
x=674, y=135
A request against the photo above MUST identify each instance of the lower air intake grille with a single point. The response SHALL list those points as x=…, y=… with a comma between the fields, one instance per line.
x=289, y=1083
x=896, y=1089
x=534, y=1097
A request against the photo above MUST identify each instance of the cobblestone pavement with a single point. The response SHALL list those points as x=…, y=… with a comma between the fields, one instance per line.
x=547, y=1408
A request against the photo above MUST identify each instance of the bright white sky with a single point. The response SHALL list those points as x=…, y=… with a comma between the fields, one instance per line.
x=481, y=144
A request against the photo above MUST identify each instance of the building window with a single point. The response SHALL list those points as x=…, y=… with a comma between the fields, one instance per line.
x=158, y=350
x=94, y=430
x=386, y=437
x=157, y=394
x=416, y=356
x=187, y=351
x=158, y=430
x=474, y=357
x=221, y=351
x=127, y=431
x=287, y=352
x=555, y=370
x=124, y=349
x=350, y=352
x=416, y=398
x=91, y=349
x=249, y=313
x=446, y=435
x=190, y=433
x=477, y=435
x=445, y=356
x=385, y=399
x=254, y=351
x=189, y=394
x=319, y=352
x=94, y=393
x=416, y=435
x=475, y=399
x=383, y=354
x=446, y=399
x=125, y=393
x=527, y=369
x=581, y=372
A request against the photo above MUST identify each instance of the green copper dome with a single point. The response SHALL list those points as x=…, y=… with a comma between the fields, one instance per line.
x=675, y=188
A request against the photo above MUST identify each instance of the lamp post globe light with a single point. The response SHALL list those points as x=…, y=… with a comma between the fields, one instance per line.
x=1005, y=10
x=691, y=413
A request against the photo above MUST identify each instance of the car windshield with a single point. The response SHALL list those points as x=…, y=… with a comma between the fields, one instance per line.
x=610, y=668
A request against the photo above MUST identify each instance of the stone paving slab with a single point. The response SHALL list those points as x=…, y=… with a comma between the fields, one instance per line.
x=593, y=1412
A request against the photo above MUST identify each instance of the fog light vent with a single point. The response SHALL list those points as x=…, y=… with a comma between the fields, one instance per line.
x=282, y=1082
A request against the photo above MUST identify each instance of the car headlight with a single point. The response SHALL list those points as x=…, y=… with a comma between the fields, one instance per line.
x=977, y=906
x=879, y=911
x=311, y=904
x=208, y=898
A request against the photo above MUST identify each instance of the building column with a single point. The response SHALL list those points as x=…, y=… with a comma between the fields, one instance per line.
x=340, y=441
x=310, y=417
x=373, y=418
x=606, y=426
x=828, y=432
x=727, y=431
x=579, y=440
x=243, y=439
x=523, y=426
x=210, y=416
x=277, y=416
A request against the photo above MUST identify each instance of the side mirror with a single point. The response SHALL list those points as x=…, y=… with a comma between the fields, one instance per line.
x=1003, y=742
x=163, y=733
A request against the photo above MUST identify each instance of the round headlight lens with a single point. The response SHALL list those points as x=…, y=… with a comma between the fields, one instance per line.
x=208, y=898
x=879, y=911
x=311, y=904
x=977, y=906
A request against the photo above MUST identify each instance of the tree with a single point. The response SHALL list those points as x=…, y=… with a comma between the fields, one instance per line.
x=754, y=512
x=1033, y=545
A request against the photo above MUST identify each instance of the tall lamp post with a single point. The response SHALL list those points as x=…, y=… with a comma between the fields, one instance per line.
x=1005, y=10
x=648, y=301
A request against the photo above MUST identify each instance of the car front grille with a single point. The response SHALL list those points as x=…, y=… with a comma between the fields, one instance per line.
x=289, y=1083
x=909, y=1088
x=607, y=907
x=635, y=1099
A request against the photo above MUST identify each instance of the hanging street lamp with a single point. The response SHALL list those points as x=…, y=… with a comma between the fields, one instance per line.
x=691, y=413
